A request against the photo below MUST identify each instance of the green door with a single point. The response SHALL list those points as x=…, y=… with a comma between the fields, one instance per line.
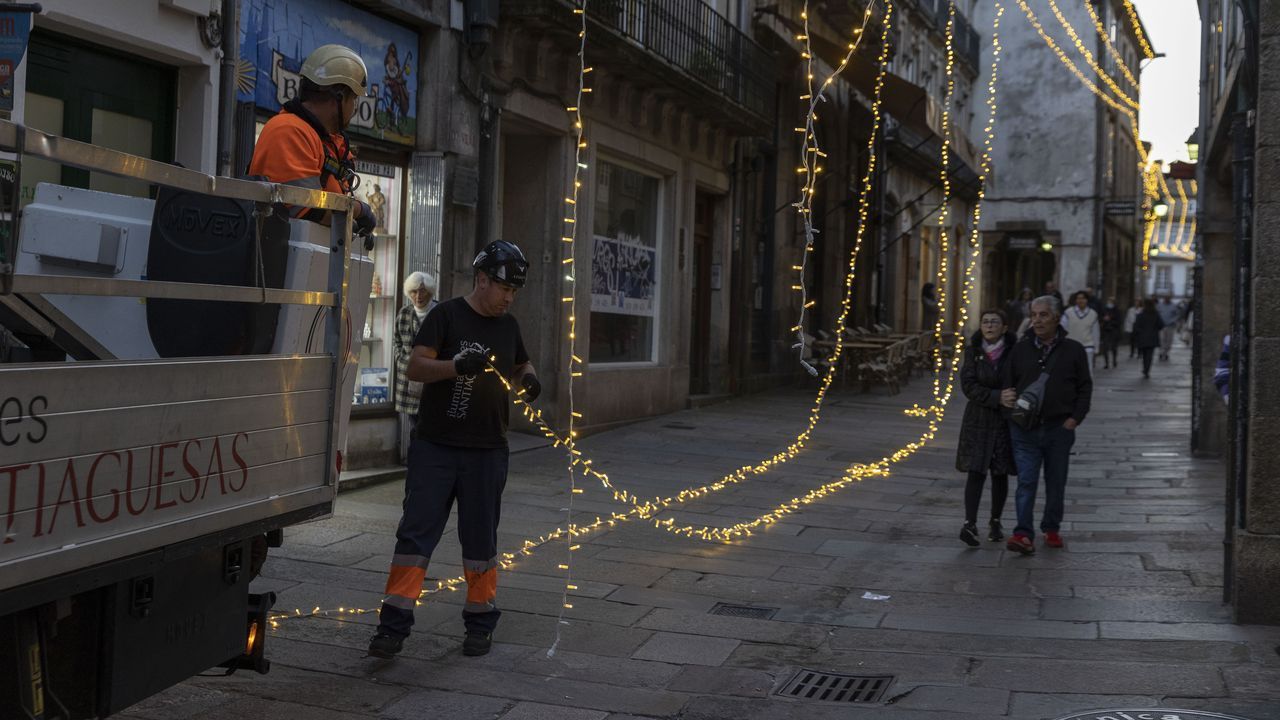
x=91, y=93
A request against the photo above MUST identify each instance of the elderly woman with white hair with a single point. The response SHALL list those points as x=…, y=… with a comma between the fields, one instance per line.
x=420, y=290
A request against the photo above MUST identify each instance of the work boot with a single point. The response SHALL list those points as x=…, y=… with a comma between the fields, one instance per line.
x=477, y=643
x=385, y=645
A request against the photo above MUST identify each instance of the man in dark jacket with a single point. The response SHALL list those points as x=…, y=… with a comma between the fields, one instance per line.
x=1064, y=405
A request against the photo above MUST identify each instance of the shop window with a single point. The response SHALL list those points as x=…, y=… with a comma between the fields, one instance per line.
x=624, y=265
x=382, y=186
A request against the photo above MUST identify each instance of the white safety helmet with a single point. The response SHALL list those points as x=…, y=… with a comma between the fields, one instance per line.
x=330, y=65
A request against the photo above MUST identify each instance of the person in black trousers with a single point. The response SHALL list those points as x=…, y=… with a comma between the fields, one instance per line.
x=984, y=434
x=1146, y=334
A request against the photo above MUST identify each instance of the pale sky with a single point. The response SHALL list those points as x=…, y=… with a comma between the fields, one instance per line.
x=1170, y=84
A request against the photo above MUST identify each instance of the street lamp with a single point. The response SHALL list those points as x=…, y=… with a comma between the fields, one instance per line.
x=1193, y=146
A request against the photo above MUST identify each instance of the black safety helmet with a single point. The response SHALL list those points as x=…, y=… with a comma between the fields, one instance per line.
x=503, y=262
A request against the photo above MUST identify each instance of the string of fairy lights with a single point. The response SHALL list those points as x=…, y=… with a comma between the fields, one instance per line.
x=1112, y=50
x=1152, y=192
x=1151, y=222
x=1147, y=51
x=1088, y=56
x=646, y=509
x=1190, y=248
x=1175, y=234
x=944, y=214
x=569, y=245
x=811, y=157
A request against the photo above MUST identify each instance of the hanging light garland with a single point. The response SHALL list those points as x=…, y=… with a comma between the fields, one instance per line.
x=944, y=235
x=811, y=157
x=1115, y=53
x=1088, y=56
x=1160, y=188
x=568, y=261
x=1147, y=51
x=1182, y=216
x=1151, y=221
x=645, y=509
x=1190, y=249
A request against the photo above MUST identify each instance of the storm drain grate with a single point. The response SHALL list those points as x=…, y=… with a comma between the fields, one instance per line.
x=744, y=611
x=830, y=687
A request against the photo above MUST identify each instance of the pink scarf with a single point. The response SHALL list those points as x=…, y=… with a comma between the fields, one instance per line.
x=993, y=351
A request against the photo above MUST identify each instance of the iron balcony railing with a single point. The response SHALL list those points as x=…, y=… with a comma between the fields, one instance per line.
x=967, y=42
x=688, y=35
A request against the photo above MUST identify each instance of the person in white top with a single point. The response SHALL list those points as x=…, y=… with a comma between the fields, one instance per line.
x=1130, y=317
x=1082, y=324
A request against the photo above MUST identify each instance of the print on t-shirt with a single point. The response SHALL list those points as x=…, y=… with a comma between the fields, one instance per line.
x=460, y=402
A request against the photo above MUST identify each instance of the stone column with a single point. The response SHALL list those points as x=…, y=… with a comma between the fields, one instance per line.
x=1257, y=584
x=1211, y=430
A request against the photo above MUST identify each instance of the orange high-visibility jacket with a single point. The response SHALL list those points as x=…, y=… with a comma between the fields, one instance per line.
x=289, y=151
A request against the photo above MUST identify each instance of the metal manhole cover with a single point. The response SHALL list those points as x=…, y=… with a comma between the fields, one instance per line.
x=831, y=687
x=1149, y=714
x=744, y=611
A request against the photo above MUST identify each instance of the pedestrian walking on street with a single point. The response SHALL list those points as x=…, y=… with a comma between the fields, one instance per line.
x=1147, y=334
x=1130, y=316
x=1110, y=334
x=1083, y=325
x=928, y=307
x=1095, y=302
x=1051, y=289
x=420, y=291
x=1222, y=371
x=1061, y=402
x=1020, y=308
x=1169, y=318
x=460, y=448
x=985, y=445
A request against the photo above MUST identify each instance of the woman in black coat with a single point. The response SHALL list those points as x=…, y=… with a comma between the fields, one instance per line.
x=984, y=434
x=1146, y=333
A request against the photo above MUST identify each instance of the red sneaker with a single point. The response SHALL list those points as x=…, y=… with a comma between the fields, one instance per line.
x=1053, y=540
x=1021, y=544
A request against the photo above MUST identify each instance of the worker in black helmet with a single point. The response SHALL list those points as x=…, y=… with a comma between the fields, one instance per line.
x=460, y=447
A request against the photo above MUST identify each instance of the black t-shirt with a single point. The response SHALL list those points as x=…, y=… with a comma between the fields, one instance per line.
x=472, y=410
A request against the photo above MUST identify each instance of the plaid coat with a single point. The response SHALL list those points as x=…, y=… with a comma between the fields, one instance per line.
x=408, y=393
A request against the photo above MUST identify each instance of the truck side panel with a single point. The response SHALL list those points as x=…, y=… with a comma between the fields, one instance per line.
x=107, y=472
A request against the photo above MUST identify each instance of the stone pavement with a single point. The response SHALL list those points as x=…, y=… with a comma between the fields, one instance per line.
x=1128, y=615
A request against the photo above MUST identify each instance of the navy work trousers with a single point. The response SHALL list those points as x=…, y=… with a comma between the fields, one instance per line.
x=437, y=475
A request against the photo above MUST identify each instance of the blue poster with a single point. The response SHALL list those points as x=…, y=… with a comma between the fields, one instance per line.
x=277, y=35
x=15, y=28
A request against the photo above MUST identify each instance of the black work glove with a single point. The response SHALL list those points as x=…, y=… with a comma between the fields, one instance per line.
x=365, y=222
x=469, y=362
x=532, y=388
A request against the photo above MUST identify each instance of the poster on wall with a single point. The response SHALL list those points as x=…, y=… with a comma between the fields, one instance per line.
x=623, y=277
x=15, y=28
x=277, y=35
